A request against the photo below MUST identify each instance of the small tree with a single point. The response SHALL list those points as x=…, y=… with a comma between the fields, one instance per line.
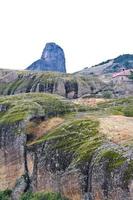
x=131, y=75
x=107, y=95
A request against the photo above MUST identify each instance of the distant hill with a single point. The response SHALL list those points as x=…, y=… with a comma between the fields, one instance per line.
x=52, y=59
x=97, y=81
x=110, y=66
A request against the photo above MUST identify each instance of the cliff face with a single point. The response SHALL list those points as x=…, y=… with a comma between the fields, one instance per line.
x=70, y=86
x=41, y=168
x=52, y=59
x=17, y=114
x=12, y=150
x=41, y=149
x=98, y=178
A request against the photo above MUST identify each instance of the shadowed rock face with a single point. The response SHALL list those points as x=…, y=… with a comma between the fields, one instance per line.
x=48, y=163
x=12, y=162
x=66, y=85
x=42, y=168
x=52, y=59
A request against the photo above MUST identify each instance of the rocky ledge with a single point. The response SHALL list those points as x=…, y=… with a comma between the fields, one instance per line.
x=47, y=144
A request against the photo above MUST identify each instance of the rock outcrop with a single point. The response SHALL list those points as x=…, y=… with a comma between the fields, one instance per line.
x=66, y=85
x=52, y=59
x=110, y=66
x=74, y=159
x=106, y=71
x=42, y=168
x=97, y=81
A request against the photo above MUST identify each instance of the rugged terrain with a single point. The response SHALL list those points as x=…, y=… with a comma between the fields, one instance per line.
x=67, y=85
x=97, y=81
x=80, y=150
x=110, y=66
x=66, y=136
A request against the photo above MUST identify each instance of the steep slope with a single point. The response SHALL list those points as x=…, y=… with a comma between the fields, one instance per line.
x=74, y=158
x=115, y=73
x=52, y=59
x=16, y=113
x=67, y=85
x=110, y=66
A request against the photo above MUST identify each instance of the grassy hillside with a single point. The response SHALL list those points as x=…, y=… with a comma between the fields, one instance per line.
x=27, y=106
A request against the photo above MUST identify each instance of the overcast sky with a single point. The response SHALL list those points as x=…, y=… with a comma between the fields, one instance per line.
x=89, y=31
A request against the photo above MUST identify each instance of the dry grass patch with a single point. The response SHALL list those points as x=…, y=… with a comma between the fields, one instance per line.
x=89, y=101
x=118, y=129
x=38, y=130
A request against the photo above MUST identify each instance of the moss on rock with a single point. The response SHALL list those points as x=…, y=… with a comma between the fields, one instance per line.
x=80, y=137
x=128, y=174
x=114, y=159
x=26, y=106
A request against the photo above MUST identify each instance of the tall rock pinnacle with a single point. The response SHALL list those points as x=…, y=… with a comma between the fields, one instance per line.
x=52, y=59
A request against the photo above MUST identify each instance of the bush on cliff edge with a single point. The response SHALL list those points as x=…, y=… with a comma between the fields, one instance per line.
x=42, y=196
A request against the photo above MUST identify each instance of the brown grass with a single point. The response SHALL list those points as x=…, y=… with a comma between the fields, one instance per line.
x=38, y=130
x=118, y=129
x=90, y=101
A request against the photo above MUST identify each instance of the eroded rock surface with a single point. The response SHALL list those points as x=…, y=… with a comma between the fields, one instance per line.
x=40, y=168
x=52, y=59
x=73, y=159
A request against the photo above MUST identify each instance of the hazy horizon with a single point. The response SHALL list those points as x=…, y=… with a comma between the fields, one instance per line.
x=89, y=31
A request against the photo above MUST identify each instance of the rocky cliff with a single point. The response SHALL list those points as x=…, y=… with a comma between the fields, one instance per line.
x=67, y=85
x=47, y=144
x=117, y=85
x=57, y=141
x=52, y=59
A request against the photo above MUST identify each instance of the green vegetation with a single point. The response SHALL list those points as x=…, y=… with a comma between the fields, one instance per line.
x=131, y=76
x=25, y=106
x=123, y=110
x=123, y=106
x=128, y=174
x=42, y=196
x=128, y=111
x=107, y=95
x=115, y=159
x=80, y=137
x=5, y=195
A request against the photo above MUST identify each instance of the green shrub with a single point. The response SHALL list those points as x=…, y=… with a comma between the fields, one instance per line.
x=107, y=95
x=118, y=110
x=115, y=159
x=128, y=174
x=5, y=195
x=42, y=196
x=131, y=76
x=128, y=111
